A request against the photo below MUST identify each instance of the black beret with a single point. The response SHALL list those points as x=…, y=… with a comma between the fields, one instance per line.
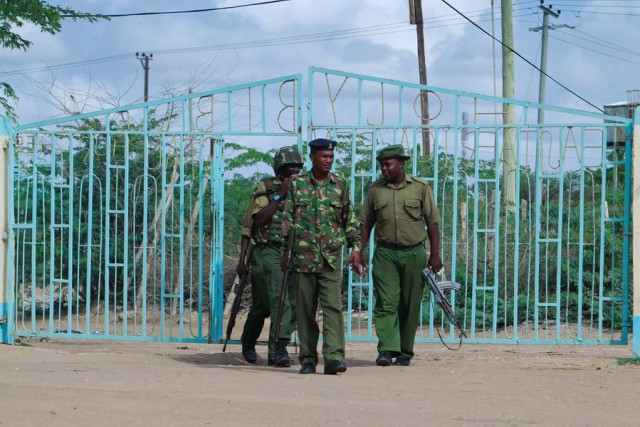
x=322, y=145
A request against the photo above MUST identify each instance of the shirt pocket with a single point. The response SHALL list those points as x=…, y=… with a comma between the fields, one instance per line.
x=336, y=212
x=301, y=212
x=302, y=205
x=413, y=208
x=381, y=212
x=380, y=205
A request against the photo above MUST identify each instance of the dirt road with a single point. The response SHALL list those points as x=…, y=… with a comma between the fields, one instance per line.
x=65, y=383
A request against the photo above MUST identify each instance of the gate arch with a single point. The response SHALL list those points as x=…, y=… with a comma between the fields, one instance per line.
x=528, y=225
x=118, y=215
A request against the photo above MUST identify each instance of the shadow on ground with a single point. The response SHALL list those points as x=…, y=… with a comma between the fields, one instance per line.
x=235, y=359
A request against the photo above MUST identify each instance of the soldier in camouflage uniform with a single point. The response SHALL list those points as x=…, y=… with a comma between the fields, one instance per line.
x=263, y=223
x=399, y=205
x=320, y=213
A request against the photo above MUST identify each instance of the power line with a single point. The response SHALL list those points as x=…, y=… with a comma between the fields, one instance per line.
x=592, y=4
x=596, y=51
x=434, y=22
x=308, y=38
x=523, y=58
x=600, y=42
x=602, y=13
x=67, y=65
x=173, y=12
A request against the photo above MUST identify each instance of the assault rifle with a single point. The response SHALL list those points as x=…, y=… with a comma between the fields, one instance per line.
x=437, y=289
x=285, y=275
x=237, y=290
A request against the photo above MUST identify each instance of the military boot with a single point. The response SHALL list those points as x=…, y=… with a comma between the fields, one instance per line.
x=282, y=356
x=249, y=353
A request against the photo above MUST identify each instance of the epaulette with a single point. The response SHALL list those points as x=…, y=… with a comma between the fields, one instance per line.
x=378, y=181
x=418, y=180
x=269, y=185
x=339, y=176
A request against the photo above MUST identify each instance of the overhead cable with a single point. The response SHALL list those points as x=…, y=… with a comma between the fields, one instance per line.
x=173, y=12
x=523, y=58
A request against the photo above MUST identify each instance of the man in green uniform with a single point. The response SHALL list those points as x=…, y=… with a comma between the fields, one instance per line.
x=263, y=223
x=398, y=206
x=320, y=213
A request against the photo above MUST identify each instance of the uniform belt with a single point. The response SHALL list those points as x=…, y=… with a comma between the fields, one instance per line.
x=398, y=247
x=270, y=244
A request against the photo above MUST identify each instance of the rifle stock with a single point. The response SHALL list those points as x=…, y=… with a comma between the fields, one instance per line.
x=436, y=289
x=238, y=289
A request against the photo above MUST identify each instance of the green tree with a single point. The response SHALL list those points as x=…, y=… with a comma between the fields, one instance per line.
x=238, y=189
x=15, y=14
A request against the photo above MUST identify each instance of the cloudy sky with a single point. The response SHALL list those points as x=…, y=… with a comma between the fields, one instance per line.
x=592, y=51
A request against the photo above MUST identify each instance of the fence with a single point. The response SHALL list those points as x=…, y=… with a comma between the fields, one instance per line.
x=116, y=220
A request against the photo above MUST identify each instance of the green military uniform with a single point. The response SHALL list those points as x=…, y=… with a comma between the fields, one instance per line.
x=324, y=221
x=399, y=216
x=266, y=275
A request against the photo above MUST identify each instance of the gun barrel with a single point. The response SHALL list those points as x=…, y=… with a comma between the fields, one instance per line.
x=238, y=289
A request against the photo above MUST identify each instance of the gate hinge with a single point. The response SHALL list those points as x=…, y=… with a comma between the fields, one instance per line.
x=5, y=235
x=3, y=320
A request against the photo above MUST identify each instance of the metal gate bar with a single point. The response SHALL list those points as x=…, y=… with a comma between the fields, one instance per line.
x=509, y=232
x=118, y=216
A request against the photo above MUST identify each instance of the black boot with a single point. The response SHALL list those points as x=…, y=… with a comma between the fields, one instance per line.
x=249, y=353
x=282, y=356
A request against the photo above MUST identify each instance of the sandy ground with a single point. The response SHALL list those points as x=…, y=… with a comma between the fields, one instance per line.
x=79, y=383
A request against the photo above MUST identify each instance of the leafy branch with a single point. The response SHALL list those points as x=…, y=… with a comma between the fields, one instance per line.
x=14, y=15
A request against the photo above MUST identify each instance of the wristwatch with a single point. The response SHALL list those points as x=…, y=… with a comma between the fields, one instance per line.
x=276, y=197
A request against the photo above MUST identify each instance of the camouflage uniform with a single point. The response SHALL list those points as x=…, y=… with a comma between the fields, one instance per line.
x=324, y=222
x=266, y=275
x=399, y=216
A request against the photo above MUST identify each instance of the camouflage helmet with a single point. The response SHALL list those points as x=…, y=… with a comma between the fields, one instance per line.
x=286, y=156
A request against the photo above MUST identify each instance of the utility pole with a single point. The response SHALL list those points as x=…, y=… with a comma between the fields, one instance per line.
x=415, y=18
x=509, y=111
x=144, y=60
x=543, y=54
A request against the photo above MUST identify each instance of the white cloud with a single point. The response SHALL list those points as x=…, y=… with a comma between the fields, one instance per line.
x=459, y=55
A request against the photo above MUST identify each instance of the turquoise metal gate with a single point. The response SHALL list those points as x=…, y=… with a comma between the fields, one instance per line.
x=118, y=215
x=536, y=219
x=117, y=228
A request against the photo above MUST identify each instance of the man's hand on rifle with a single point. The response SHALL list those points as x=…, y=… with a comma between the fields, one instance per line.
x=240, y=267
x=244, y=245
x=435, y=263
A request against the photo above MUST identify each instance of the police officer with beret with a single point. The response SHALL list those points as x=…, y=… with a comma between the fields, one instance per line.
x=319, y=211
x=399, y=205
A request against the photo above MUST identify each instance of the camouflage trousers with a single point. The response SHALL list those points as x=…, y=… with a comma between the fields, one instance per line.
x=266, y=282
